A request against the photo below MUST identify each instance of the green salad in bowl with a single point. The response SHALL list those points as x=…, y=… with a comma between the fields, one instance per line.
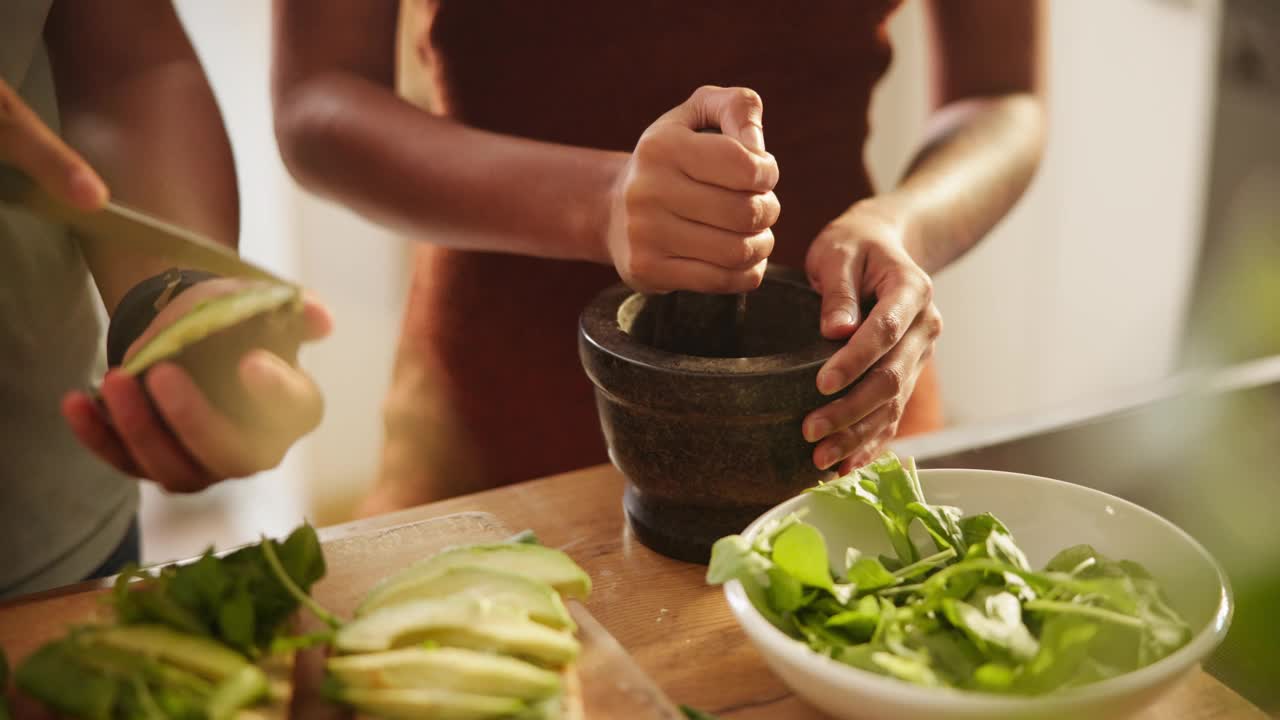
x=890, y=597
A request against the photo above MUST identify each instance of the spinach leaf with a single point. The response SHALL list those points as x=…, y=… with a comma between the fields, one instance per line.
x=785, y=592
x=996, y=626
x=695, y=714
x=1064, y=646
x=733, y=558
x=54, y=675
x=884, y=487
x=861, y=621
x=237, y=599
x=800, y=552
x=869, y=575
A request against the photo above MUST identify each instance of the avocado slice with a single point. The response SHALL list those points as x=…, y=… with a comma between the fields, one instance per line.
x=406, y=704
x=535, y=562
x=445, y=668
x=500, y=587
x=458, y=621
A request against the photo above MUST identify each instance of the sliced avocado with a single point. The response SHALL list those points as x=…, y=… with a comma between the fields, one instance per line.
x=500, y=587
x=535, y=562
x=401, y=704
x=458, y=621
x=201, y=655
x=455, y=669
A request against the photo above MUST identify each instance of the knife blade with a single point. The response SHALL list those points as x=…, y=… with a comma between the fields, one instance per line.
x=121, y=225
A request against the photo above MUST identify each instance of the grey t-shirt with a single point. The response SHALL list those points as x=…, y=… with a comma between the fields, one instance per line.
x=62, y=511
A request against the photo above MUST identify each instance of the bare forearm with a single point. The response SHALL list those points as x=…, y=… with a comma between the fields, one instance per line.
x=146, y=119
x=352, y=140
x=979, y=157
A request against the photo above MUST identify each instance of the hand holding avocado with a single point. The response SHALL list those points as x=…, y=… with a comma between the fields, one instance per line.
x=210, y=389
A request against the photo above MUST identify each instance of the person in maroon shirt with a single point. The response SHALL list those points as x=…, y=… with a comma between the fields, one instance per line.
x=558, y=152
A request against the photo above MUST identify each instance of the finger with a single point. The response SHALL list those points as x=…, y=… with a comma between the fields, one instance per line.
x=28, y=143
x=319, y=321
x=716, y=160
x=894, y=312
x=286, y=398
x=160, y=456
x=852, y=439
x=676, y=237
x=82, y=416
x=737, y=112
x=732, y=210
x=835, y=281
x=208, y=435
x=698, y=276
x=887, y=383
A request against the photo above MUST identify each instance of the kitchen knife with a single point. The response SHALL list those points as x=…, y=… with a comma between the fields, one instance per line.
x=127, y=227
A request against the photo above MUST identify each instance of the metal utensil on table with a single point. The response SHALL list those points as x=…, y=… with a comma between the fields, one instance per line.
x=692, y=323
x=120, y=225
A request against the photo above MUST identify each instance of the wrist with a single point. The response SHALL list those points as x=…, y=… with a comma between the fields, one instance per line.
x=599, y=207
x=902, y=219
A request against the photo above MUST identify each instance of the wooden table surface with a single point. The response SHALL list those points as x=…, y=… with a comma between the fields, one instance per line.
x=676, y=627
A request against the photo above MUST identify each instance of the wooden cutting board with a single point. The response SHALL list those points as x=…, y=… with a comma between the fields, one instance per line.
x=612, y=684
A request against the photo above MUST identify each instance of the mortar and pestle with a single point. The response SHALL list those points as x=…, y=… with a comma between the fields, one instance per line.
x=701, y=400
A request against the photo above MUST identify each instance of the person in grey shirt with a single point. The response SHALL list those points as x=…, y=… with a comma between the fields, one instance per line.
x=94, y=90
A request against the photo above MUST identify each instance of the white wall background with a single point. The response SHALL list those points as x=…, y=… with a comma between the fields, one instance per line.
x=1079, y=292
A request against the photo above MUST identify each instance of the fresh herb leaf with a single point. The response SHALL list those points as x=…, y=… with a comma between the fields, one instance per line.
x=695, y=714
x=869, y=575
x=238, y=599
x=800, y=552
x=996, y=625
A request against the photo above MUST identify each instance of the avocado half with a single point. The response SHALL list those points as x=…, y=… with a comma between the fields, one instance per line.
x=211, y=338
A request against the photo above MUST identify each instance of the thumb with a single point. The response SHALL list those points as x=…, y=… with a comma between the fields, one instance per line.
x=37, y=151
x=738, y=112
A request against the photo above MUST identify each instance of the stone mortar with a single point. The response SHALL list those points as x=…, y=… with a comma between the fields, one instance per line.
x=707, y=444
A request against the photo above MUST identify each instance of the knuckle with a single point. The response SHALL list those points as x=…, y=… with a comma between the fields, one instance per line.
x=748, y=97
x=895, y=407
x=653, y=145
x=889, y=379
x=933, y=322
x=888, y=328
x=926, y=287
x=759, y=213
x=755, y=276
x=704, y=90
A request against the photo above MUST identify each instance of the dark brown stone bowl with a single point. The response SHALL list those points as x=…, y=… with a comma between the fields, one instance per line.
x=707, y=444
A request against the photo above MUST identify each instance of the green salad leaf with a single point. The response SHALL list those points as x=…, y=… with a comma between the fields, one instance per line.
x=972, y=614
x=185, y=638
x=238, y=599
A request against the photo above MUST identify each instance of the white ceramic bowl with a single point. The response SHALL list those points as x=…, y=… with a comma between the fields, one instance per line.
x=1045, y=516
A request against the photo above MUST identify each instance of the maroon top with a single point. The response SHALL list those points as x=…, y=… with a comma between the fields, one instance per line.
x=499, y=331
